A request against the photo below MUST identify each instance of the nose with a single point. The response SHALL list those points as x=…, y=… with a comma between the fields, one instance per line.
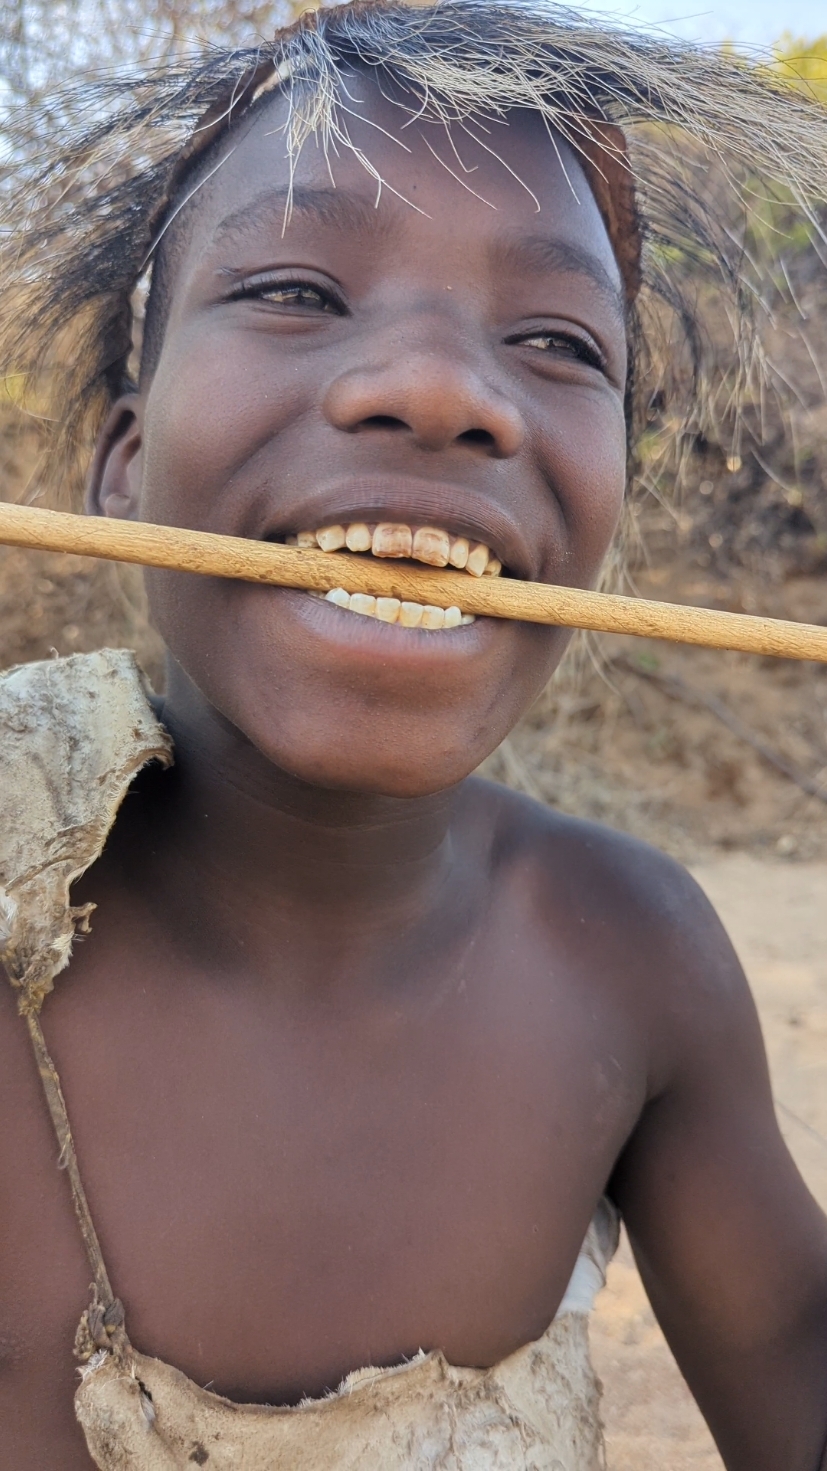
x=436, y=398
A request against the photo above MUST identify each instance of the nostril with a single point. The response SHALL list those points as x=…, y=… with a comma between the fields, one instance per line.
x=478, y=436
x=382, y=421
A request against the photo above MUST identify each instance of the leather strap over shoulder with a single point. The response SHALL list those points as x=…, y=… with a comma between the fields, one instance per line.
x=73, y=734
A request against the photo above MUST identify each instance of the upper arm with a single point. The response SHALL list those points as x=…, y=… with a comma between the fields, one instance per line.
x=731, y=1246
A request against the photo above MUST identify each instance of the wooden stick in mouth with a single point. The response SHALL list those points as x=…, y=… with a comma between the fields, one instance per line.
x=490, y=597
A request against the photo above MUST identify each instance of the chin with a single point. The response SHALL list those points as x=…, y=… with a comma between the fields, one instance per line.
x=341, y=703
x=388, y=759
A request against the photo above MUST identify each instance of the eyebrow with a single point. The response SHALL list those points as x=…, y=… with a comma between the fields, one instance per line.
x=347, y=209
x=537, y=255
x=340, y=208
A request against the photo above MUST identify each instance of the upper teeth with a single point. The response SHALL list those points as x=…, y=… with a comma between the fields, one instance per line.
x=393, y=539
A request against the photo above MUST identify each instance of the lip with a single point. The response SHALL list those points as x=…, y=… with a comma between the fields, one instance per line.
x=413, y=501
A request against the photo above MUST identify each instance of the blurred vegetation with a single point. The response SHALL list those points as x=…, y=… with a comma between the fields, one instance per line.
x=803, y=63
x=45, y=43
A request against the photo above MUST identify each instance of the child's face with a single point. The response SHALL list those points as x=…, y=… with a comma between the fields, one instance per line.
x=455, y=361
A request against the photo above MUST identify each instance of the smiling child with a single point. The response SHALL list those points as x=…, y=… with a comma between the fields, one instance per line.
x=363, y=1056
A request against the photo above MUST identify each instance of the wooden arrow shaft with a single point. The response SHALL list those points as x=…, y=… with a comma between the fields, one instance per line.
x=493, y=597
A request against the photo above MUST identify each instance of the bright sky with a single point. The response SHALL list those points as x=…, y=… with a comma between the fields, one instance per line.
x=747, y=22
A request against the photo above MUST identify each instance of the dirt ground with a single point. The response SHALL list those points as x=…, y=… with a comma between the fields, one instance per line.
x=695, y=750
x=776, y=914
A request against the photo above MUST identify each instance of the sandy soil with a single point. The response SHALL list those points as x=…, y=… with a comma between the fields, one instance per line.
x=776, y=914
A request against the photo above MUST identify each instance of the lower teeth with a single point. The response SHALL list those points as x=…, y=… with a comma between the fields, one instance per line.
x=392, y=610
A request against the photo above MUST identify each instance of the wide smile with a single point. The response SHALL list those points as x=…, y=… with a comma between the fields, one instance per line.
x=431, y=545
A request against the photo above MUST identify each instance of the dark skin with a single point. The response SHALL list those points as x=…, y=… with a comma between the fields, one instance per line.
x=357, y=1042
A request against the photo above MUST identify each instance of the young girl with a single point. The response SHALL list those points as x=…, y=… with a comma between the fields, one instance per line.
x=363, y=1056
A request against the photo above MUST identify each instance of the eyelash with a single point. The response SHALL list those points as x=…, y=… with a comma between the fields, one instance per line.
x=572, y=345
x=260, y=290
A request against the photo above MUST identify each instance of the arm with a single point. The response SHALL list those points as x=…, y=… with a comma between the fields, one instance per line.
x=731, y=1246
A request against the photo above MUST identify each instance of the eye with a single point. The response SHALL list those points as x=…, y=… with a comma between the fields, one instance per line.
x=562, y=345
x=295, y=296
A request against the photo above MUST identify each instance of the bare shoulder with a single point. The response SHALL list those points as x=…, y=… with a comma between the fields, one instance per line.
x=647, y=936
x=597, y=866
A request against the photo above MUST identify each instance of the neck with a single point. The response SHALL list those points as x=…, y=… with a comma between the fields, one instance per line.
x=252, y=848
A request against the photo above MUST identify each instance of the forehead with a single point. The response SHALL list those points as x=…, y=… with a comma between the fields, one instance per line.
x=504, y=181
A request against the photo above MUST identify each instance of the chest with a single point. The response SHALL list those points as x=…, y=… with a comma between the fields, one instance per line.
x=285, y=1193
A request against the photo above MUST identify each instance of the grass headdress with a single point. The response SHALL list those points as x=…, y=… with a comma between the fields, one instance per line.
x=665, y=131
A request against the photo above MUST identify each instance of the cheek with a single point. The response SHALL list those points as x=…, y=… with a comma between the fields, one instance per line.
x=213, y=405
x=586, y=454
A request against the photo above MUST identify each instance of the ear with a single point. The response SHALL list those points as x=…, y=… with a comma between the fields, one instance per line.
x=113, y=487
x=604, y=154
